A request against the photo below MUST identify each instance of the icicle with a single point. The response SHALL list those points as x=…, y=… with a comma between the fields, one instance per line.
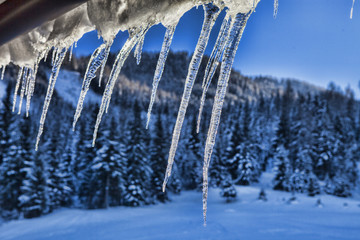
x=352, y=9
x=114, y=74
x=96, y=60
x=107, y=51
x=226, y=65
x=52, y=80
x=160, y=67
x=54, y=56
x=213, y=63
x=70, y=52
x=31, y=82
x=3, y=72
x=138, y=50
x=46, y=53
x=23, y=87
x=276, y=6
x=211, y=13
x=17, y=87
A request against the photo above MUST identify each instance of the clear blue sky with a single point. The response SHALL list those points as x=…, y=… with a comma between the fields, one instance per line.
x=311, y=40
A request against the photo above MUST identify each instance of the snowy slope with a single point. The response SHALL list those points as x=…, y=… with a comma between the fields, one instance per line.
x=246, y=219
x=68, y=86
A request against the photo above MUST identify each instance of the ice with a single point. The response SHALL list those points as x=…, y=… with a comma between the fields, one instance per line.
x=97, y=59
x=160, y=67
x=31, y=82
x=211, y=14
x=24, y=83
x=46, y=53
x=276, y=6
x=3, y=72
x=226, y=65
x=107, y=51
x=70, y=52
x=213, y=63
x=134, y=37
x=60, y=55
x=138, y=50
x=18, y=81
x=54, y=53
x=352, y=9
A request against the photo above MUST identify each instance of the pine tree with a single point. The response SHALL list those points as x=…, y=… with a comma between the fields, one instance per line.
x=232, y=151
x=322, y=139
x=248, y=169
x=282, y=169
x=58, y=172
x=228, y=190
x=192, y=162
x=340, y=183
x=34, y=200
x=11, y=176
x=158, y=161
x=109, y=169
x=137, y=190
x=83, y=160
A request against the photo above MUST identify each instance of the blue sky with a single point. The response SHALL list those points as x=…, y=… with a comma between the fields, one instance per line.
x=311, y=40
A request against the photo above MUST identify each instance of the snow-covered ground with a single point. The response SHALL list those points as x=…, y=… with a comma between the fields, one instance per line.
x=247, y=219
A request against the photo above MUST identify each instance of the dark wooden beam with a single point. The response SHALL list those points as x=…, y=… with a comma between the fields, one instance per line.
x=20, y=16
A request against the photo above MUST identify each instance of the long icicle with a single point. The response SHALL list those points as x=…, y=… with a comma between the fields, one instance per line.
x=50, y=90
x=138, y=50
x=276, y=7
x=96, y=60
x=31, y=87
x=3, y=72
x=70, y=52
x=160, y=68
x=25, y=79
x=137, y=37
x=18, y=80
x=226, y=65
x=54, y=55
x=114, y=74
x=212, y=64
x=107, y=51
x=211, y=13
x=352, y=9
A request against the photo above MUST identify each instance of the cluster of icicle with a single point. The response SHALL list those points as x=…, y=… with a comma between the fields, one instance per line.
x=223, y=52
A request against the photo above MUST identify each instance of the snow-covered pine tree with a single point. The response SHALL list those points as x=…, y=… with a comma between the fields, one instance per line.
x=218, y=163
x=34, y=199
x=248, y=167
x=58, y=176
x=84, y=157
x=322, y=139
x=339, y=184
x=192, y=162
x=232, y=151
x=228, y=190
x=11, y=176
x=282, y=142
x=109, y=167
x=282, y=169
x=139, y=172
x=158, y=161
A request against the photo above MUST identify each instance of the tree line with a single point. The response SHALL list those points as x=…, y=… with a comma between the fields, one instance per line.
x=311, y=142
